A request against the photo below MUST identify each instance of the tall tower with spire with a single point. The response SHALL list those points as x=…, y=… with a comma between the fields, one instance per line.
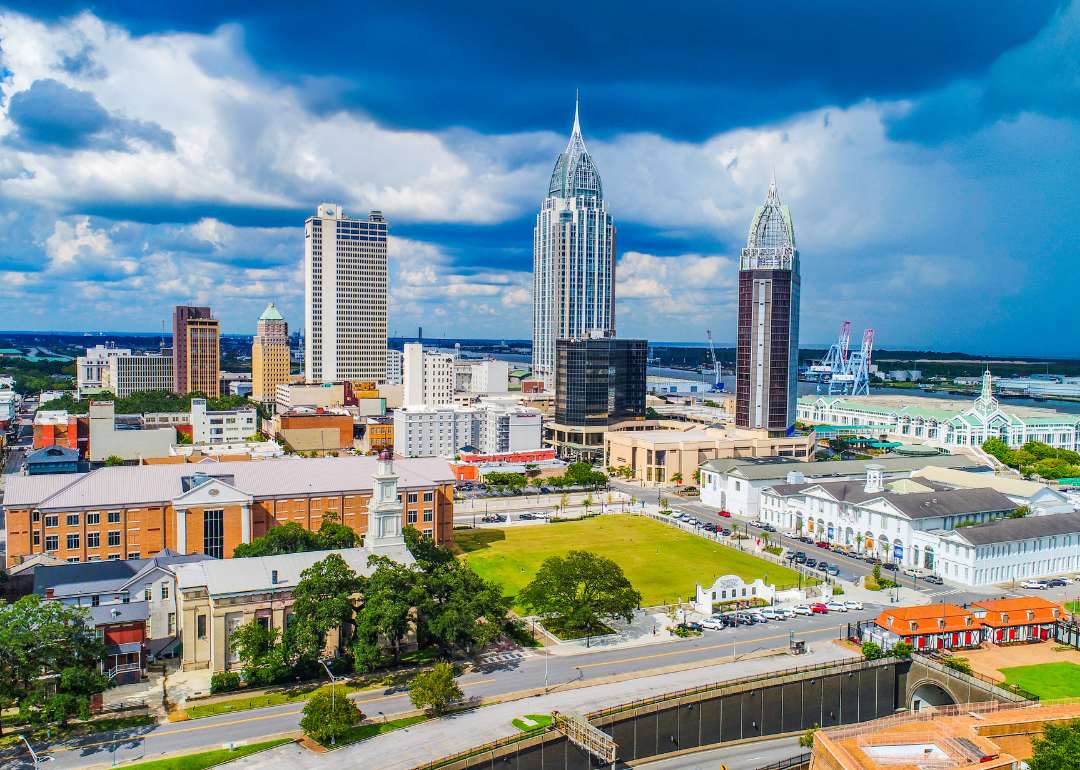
x=573, y=258
x=768, y=333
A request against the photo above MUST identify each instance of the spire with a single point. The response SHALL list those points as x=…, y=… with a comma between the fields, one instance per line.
x=772, y=199
x=986, y=402
x=577, y=144
x=574, y=174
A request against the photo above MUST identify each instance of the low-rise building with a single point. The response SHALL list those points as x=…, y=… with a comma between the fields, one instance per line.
x=378, y=435
x=393, y=367
x=735, y=484
x=1039, y=498
x=110, y=437
x=495, y=426
x=319, y=430
x=927, y=627
x=1009, y=550
x=113, y=512
x=55, y=427
x=9, y=405
x=221, y=427
x=138, y=373
x=1017, y=619
x=51, y=459
x=122, y=629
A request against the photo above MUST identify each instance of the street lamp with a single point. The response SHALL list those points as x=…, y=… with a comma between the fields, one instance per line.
x=333, y=699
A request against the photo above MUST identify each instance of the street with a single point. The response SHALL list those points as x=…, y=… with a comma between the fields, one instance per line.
x=744, y=756
x=506, y=676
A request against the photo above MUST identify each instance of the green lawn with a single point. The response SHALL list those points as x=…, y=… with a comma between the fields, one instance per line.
x=541, y=720
x=660, y=561
x=1047, y=680
x=294, y=695
x=207, y=758
x=370, y=731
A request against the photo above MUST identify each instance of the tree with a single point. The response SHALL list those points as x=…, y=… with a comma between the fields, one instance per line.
x=697, y=476
x=424, y=549
x=903, y=650
x=663, y=503
x=113, y=460
x=1059, y=747
x=329, y=715
x=322, y=602
x=806, y=740
x=386, y=611
x=858, y=541
x=580, y=591
x=652, y=414
x=871, y=650
x=877, y=572
x=49, y=657
x=333, y=535
x=262, y=655
x=676, y=477
x=436, y=689
x=1020, y=512
x=957, y=663
x=456, y=608
x=286, y=538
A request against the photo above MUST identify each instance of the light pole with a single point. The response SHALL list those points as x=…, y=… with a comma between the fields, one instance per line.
x=34, y=756
x=333, y=699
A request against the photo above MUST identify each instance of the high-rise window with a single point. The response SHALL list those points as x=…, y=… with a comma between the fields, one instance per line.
x=214, y=533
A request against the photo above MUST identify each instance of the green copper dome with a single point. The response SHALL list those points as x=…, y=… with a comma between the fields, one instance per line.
x=271, y=314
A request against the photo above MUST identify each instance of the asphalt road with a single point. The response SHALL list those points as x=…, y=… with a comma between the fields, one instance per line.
x=745, y=756
x=484, y=680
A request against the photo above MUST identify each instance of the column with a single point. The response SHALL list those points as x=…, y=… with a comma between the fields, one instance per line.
x=181, y=530
x=245, y=523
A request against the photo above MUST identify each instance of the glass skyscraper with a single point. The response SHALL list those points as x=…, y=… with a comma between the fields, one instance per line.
x=768, y=334
x=573, y=259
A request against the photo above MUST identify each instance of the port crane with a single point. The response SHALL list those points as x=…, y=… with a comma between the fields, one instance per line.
x=854, y=379
x=835, y=360
x=717, y=382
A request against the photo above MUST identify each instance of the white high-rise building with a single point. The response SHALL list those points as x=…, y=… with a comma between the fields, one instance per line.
x=344, y=297
x=139, y=373
x=490, y=377
x=427, y=378
x=91, y=369
x=492, y=428
x=573, y=259
x=393, y=367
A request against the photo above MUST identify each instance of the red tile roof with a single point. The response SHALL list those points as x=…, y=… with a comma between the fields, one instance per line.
x=1018, y=611
x=927, y=620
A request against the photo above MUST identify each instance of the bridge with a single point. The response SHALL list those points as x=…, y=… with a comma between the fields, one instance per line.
x=786, y=702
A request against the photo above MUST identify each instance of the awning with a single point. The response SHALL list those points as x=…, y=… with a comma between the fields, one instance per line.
x=124, y=649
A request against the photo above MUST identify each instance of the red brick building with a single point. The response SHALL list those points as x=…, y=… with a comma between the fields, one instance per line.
x=122, y=627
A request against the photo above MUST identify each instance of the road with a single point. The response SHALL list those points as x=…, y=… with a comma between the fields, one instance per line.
x=484, y=680
x=745, y=756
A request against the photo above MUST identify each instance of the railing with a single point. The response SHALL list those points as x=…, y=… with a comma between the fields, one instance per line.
x=791, y=763
x=124, y=668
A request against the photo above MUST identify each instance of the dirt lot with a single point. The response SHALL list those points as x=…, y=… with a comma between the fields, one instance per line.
x=989, y=659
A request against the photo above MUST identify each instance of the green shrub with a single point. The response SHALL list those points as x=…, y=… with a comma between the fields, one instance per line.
x=903, y=650
x=227, y=681
x=328, y=715
x=958, y=663
x=838, y=590
x=871, y=650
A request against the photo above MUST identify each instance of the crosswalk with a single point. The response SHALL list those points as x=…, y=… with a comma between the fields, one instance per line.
x=499, y=657
x=946, y=592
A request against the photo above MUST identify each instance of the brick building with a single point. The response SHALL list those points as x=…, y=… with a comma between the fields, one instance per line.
x=129, y=511
x=319, y=430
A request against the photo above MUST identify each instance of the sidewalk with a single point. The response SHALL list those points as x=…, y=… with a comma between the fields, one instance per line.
x=439, y=738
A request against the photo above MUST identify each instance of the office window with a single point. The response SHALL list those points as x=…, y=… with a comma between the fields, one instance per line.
x=412, y=497
x=36, y=516
x=134, y=555
x=200, y=625
x=429, y=514
x=73, y=542
x=52, y=521
x=427, y=533
x=37, y=537
x=214, y=533
x=164, y=590
x=93, y=540
x=429, y=497
x=73, y=519
x=114, y=539
x=410, y=517
x=114, y=517
x=52, y=542
x=93, y=518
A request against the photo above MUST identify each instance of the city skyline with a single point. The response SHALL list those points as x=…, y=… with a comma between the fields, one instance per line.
x=177, y=152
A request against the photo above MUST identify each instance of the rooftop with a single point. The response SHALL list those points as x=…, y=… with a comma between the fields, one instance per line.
x=765, y=470
x=1008, y=530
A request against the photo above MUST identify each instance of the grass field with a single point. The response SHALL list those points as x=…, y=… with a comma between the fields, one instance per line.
x=370, y=731
x=207, y=758
x=1047, y=680
x=659, y=560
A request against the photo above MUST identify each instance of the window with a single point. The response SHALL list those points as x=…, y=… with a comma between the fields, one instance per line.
x=214, y=533
x=200, y=625
x=93, y=540
x=410, y=517
x=412, y=497
x=73, y=519
x=36, y=516
x=134, y=555
x=164, y=591
x=52, y=521
x=427, y=533
x=172, y=624
x=114, y=517
x=429, y=497
x=52, y=542
x=429, y=515
x=73, y=542
x=37, y=537
x=114, y=539
x=93, y=518
x=148, y=594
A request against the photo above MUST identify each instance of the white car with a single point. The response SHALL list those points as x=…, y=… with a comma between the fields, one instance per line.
x=793, y=535
x=759, y=617
x=1034, y=584
x=853, y=605
x=1068, y=580
x=773, y=615
x=692, y=522
x=786, y=612
x=835, y=607
x=713, y=623
x=802, y=609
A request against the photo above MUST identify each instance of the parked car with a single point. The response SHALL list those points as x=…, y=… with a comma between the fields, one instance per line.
x=889, y=566
x=723, y=514
x=823, y=566
x=872, y=560
x=800, y=558
x=757, y=524
x=935, y=579
x=773, y=615
x=491, y=519
x=819, y=608
x=1068, y=580
x=914, y=572
x=811, y=563
x=527, y=516
x=692, y=522
x=1056, y=582
x=853, y=605
x=715, y=623
x=802, y=609
x=789, y=554
x=725, y=532
x=836, y=607
x=691, y=626
x=759, y=617
x=1034, y=584
x=787, y=612
x=834, y=570
x=743, y=618
x=822, y=544
x=769, y=528
x=545, y=490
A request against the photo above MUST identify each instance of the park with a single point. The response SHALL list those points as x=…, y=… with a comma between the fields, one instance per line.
x=661, y=561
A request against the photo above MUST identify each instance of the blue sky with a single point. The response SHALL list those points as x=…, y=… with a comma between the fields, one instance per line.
x=152, y=154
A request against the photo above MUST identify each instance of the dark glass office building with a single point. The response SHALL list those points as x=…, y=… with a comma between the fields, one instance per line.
x=598, y=382
x=768, y=334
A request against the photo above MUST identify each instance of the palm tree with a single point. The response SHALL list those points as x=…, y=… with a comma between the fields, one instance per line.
x=858, y=542
x=677, y=478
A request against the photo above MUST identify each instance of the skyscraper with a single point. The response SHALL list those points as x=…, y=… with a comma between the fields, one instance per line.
x=270, y=365
x=573, y=259
x=768, y=333
x=344, y=296
x=196, y=351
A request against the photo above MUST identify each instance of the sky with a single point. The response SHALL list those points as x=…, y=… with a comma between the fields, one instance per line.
x=153, y=154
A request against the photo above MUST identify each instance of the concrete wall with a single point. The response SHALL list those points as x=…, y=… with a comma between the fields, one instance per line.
x=106, y=441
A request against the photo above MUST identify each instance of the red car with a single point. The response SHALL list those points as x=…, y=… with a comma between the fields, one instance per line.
x=724, y=514
x=819, y=607
x=822, y=544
